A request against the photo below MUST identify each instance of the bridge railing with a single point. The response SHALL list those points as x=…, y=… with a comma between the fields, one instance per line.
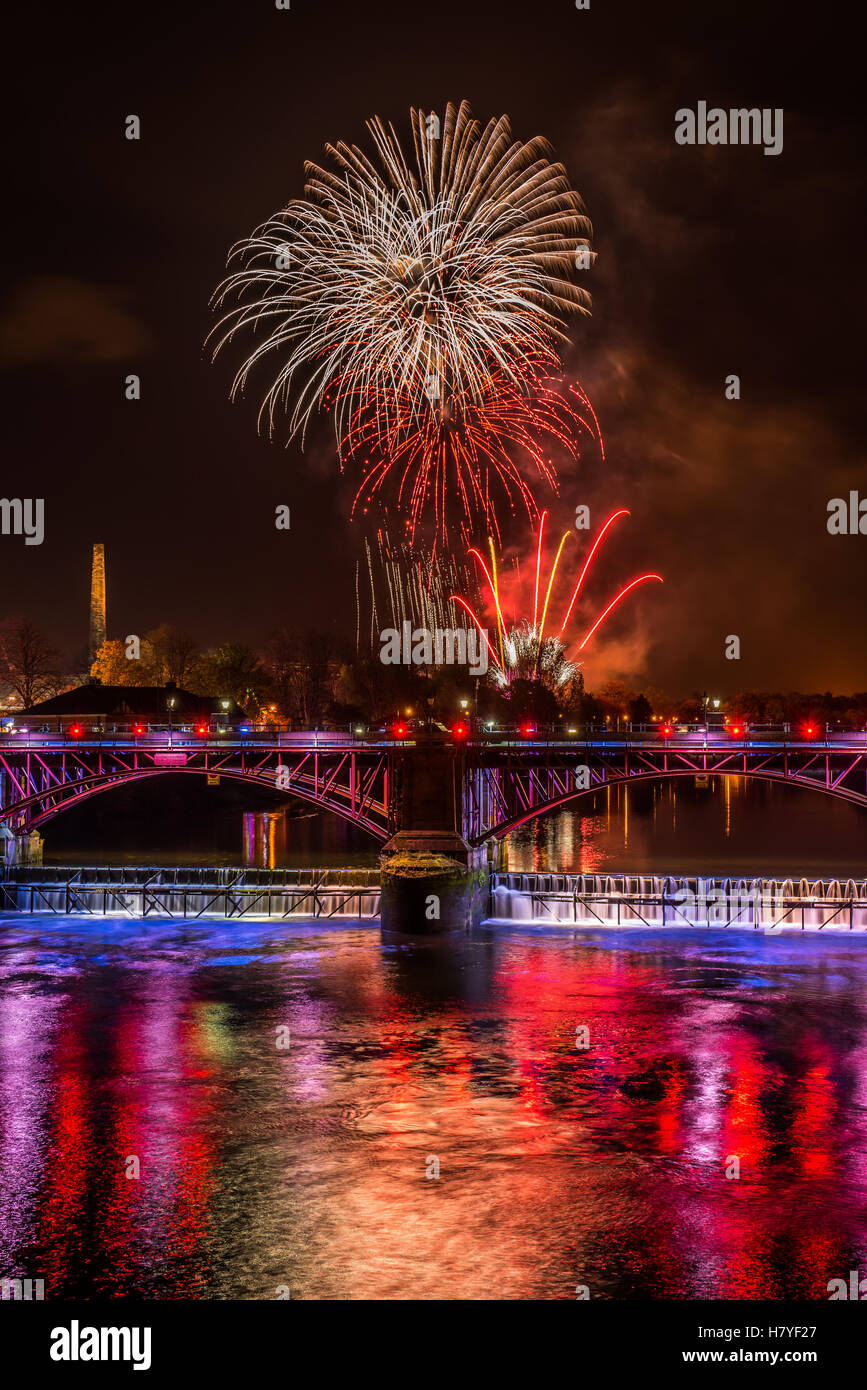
x=191, y=735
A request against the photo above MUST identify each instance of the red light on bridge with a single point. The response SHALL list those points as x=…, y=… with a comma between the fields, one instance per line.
x=75, y=730
x=810, y=731
x=202, y=729
x=460, y=731
x=528, y=731
x=399, y=731
x=139, y=729
x=737, y=730
x=666, y=731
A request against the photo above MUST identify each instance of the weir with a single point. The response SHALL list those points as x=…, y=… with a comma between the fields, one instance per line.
x=191, y=892
x=653, y=900
x=585, y=901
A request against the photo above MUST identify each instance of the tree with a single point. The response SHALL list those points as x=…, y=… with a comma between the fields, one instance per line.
x=639, y=710
x=300, y=667
x=572, y=698
x=231, y=671
x=174, y=653
x=28, y=661
x=112, y=666
x=531, y=700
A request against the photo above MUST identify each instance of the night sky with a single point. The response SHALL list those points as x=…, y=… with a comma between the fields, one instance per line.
x=711, y=261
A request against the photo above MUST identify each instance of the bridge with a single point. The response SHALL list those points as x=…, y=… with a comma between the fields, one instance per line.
x=478, y=787
x=507, y=787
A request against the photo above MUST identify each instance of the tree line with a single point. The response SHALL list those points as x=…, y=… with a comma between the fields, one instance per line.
x=307, y=679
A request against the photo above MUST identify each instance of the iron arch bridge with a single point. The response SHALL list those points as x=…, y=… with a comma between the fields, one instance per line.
x=39, y=782
x=485, y=787
x=506, y=789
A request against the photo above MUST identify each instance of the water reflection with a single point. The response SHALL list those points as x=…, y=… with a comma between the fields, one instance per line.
x=559, y=1165
x=701, y=825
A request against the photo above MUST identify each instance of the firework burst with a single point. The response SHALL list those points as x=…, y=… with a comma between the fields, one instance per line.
x=523, y=650
x=476, y=452
x=421, y=299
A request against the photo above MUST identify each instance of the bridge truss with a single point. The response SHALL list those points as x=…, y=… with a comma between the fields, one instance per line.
x=40, y=782
x=497, y=787
x=505, y=789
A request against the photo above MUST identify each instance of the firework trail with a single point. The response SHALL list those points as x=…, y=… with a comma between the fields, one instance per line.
x=422, y=299
x=523, y=650
x=408, y=583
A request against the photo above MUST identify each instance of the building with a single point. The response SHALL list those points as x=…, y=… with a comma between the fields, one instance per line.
x=103, y=707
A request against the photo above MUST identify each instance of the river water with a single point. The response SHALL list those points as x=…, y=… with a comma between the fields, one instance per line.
x=730, y=826
x=240, y=1110
x=431, y=1129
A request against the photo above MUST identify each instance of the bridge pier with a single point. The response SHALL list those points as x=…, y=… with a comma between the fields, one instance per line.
x=20, y=849
x=432, y=880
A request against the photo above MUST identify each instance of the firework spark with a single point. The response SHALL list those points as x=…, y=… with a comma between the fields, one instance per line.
x=474, y=452
x=525, y=652
x=423, y=301
x=407, y=583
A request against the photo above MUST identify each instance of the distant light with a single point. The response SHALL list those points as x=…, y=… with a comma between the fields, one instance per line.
x=75, y=731
x=490, y=724
x=716, y=704
x=245, y=729
x=464, y=704
x=571, y=731
x=138, y=729
x=666, y=730
x=202, y=729
x=24, y=731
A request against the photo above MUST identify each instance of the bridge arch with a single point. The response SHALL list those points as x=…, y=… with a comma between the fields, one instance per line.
x=67, y=795
x=522, y=817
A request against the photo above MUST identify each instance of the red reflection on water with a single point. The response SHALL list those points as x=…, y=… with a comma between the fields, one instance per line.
x=559, y=1164
x=812, y=1125
x=68, y=1159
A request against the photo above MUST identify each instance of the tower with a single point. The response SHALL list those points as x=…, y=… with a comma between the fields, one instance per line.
x=97, y=601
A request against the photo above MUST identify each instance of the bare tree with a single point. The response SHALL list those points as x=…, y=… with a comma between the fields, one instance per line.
x=300, y=668
x=28, y=661
x=174, y=652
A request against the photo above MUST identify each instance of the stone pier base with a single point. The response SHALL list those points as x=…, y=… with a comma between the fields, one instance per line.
x=432, y=881
x=20, y=849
